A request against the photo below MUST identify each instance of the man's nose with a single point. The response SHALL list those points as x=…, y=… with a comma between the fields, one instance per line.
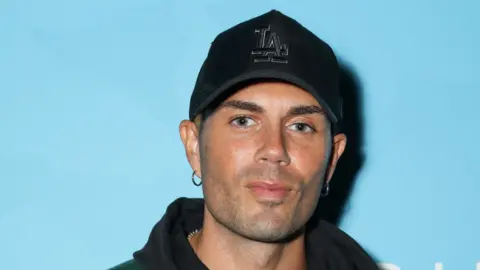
x=273, y=148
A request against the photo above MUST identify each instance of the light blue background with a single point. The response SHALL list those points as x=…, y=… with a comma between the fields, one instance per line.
x=91, y=94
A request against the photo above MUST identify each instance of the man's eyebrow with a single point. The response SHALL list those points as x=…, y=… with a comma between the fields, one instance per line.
x=303, y=109
x=242, y=105
x=253, y=107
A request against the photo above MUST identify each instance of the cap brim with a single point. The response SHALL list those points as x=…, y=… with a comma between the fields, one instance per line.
x=267, y=75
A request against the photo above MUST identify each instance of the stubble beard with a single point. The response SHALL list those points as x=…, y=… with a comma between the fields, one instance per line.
x=265, y=226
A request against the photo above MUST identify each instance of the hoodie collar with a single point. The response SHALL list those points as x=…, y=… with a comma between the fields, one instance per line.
x=327, y=246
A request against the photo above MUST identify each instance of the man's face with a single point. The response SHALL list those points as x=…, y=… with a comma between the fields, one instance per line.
x=263, y=157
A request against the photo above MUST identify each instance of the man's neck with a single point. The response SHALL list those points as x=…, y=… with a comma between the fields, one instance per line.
x=219, y=248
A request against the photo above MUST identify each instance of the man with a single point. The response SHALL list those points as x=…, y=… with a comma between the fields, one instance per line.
x=263, y=140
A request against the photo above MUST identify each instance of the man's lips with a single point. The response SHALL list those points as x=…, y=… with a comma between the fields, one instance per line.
x=269, y=189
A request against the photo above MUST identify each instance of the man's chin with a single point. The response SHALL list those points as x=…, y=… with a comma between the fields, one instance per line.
x=271, y=235
x=267, y=226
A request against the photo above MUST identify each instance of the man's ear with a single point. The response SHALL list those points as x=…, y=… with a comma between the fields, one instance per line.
x=338, y=147
x=189, y=134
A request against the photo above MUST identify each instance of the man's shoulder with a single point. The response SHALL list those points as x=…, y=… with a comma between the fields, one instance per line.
x=128, y=265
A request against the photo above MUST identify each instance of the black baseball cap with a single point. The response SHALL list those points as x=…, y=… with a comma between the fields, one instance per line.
x=271, y=46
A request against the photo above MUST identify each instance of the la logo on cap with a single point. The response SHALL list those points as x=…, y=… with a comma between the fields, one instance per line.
x=269, y=48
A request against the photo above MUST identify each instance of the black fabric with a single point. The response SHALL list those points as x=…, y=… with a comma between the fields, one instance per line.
x=167, y=248
x=269, y=46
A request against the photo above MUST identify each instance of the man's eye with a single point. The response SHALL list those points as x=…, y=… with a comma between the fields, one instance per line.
x=242, y=121
x=301, y=127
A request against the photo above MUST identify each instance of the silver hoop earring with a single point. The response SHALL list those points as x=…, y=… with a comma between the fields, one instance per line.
x=325, y=190
x=195, y=182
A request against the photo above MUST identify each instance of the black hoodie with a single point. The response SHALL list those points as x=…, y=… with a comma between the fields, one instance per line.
x=328, y=248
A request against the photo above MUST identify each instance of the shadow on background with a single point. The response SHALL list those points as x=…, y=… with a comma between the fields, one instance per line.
x=333, y=207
